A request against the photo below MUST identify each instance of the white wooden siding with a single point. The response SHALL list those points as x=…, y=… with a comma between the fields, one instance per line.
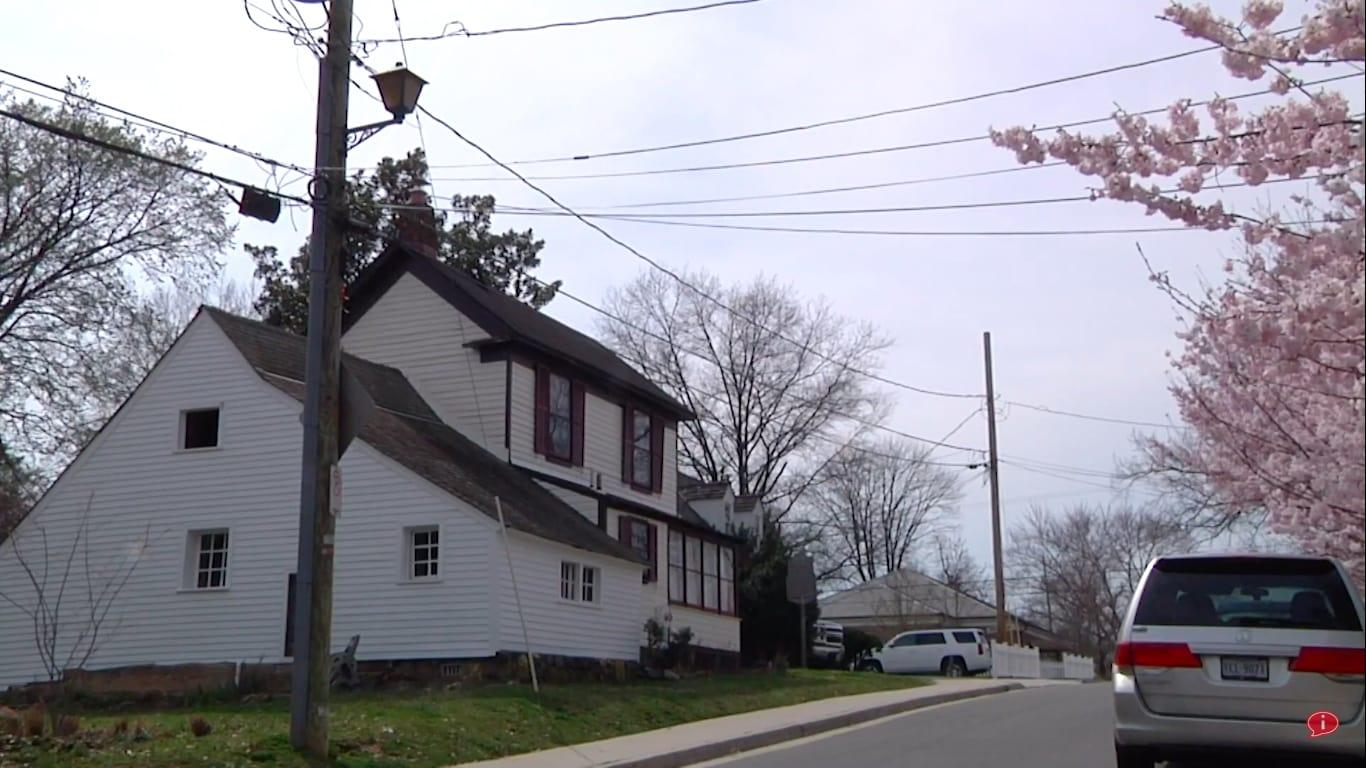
x=141, y=488
x=602, y=445
x=582, y=503
x=710, y=630
x=654, y=596
x=413, y=329
x=610, y=628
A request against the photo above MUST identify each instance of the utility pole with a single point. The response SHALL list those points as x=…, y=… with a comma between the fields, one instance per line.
x=993, y=469
x=322, y=403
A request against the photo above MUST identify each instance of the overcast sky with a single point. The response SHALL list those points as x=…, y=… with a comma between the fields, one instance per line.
x=1075, y=323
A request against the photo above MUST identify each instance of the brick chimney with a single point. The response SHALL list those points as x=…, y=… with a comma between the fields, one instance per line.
x=417, y=224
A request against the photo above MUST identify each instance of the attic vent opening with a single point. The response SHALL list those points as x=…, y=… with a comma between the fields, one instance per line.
x=199, y=429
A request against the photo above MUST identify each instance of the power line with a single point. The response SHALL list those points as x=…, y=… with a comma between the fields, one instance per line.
x=522, y=211
x=1038, y=471
x=836, y=190
x=457, y=29
x=864, y=152
x=858, y=188
x=152, y=123
x=943, y=443
x=69, y=134
x=917, y=233
x=1090, y=417
x=870, y=115
x=681, y=281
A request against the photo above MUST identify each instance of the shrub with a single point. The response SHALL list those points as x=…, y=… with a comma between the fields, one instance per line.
x=68, y=726
x=34, y=719
x=857, y=645
x=200, y=727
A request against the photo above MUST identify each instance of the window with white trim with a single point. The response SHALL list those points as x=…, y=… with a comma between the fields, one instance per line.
x=209, y=569
x=579, y=583
x=424, y=553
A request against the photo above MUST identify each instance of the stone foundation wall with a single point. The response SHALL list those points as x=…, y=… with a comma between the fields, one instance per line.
x=188, y=680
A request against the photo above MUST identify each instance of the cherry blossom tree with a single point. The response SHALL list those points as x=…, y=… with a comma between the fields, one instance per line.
x=1271, y=375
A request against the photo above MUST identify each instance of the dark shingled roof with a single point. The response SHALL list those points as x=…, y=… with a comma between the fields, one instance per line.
x=694, y=489
x=687, y=513
x=404, y=428
x=505, y=319
x=746, y=504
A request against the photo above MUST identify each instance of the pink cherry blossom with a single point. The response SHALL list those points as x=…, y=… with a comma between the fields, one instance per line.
x=1272, y=377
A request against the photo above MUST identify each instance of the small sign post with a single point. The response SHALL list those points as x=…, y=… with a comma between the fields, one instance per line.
x=801, y=589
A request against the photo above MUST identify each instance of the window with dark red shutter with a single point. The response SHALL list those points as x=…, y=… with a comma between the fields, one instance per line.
x=642, y=456
x=639, y=535
x=559, y=417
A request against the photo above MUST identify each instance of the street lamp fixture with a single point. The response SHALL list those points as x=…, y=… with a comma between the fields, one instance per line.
x=398, y=89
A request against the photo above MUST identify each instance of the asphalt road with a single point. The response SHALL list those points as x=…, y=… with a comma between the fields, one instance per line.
x=1065, y=726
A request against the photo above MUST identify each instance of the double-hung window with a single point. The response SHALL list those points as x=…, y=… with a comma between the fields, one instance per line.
x=642, y=458
x=559, y=417
x=639, y=535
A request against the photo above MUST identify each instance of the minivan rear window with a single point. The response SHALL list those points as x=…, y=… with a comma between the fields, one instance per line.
x=1247, y=592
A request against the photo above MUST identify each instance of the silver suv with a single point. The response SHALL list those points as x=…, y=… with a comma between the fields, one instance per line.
x=1224, y=655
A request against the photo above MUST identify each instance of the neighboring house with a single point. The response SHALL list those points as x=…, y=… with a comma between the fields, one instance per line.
x=721, y=508
x=907, y=599
x=192, y=490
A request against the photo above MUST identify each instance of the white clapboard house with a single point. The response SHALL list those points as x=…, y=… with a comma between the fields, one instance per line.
x=172, y=537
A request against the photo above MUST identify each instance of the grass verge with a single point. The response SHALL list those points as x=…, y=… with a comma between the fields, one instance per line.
x=428, y=729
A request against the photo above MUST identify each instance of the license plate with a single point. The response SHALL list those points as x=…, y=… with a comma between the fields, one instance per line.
x=1244, y=668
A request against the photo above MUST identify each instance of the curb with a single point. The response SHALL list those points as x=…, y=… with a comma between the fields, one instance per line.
x=749, y=741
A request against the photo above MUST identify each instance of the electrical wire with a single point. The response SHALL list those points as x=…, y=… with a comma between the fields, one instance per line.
x=867, y=116
x=148, y=122
x=460, y=30
x=943, y=443
x=882, y=113
x=520, y=211
x=863, y=152
x=836, y=190
x=922, y=232
x=1090, y=417
x=598, y=209
x=71, y=135
x=678, y=278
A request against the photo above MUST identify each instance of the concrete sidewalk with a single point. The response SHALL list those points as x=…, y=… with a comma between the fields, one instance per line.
x=709, y=739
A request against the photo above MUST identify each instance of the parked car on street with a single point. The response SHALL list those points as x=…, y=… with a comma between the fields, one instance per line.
x=1241, y=655
x=827, y=643
x=949, y=652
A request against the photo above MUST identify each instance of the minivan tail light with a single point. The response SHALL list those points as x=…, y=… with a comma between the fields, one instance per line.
x=1330, y=661
x=1167, y=655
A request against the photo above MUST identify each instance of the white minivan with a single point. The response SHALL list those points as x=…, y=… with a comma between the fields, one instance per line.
x=1238, y=656
x=949, y=652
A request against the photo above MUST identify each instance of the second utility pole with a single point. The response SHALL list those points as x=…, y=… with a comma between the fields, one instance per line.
x=322, y=402
x=993, y=469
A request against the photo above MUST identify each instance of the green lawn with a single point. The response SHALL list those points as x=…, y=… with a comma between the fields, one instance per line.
x=375, y=730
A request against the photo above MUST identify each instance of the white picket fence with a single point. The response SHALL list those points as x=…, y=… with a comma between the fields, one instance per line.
x=1024, y=662
x=1014, y=661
